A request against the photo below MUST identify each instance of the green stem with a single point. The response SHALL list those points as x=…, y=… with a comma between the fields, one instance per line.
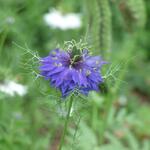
x=66, y=124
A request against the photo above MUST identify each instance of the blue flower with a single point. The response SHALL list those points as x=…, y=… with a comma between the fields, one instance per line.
x=72, y=70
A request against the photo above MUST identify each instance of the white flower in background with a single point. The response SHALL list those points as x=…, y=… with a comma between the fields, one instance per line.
x=56, y=19
x=11, y=88
x=10, y=20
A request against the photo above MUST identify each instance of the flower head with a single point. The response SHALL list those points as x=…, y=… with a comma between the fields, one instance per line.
x=72, y=69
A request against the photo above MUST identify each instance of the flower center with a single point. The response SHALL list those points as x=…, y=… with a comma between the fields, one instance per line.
x=74, y=62
x=75, y=57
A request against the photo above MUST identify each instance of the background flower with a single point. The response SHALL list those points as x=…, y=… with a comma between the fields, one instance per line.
x=11, y=88
x=56, y=19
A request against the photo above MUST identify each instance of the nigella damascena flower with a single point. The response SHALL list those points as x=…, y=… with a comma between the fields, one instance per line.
x=68, y=71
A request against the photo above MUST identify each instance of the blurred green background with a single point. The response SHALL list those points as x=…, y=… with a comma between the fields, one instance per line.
x=32, y=113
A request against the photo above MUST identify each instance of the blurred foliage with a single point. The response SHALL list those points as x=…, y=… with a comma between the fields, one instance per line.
x=117, y=118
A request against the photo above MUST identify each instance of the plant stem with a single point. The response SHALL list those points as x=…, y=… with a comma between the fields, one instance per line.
x=66, y=124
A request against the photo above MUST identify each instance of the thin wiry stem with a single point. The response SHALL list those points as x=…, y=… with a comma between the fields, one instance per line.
x=66, y=124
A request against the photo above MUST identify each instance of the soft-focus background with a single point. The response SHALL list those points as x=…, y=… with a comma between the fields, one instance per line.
x=32, y=113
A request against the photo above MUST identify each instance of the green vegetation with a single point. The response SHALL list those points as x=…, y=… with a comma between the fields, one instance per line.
x=117, y=117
